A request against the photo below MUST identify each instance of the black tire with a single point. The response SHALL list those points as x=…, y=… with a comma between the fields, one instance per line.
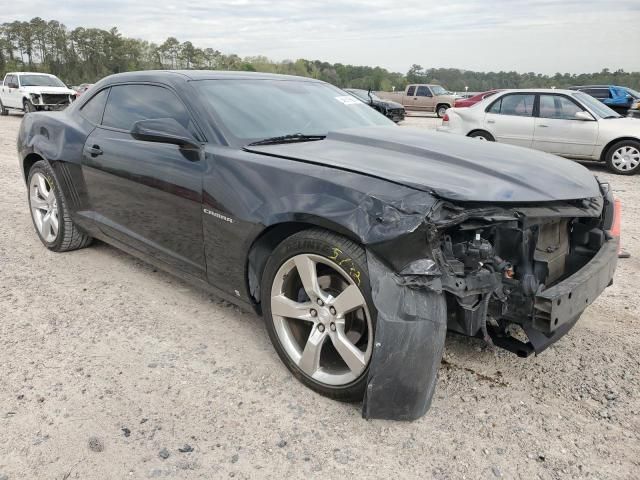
x=69, y=236
x=28, y=106
x=613, y=161
x=441, y=110
x=482, y=135
x=325, y=244
x=3, y=111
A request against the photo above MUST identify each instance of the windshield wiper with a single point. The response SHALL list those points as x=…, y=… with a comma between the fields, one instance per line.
x=294, y=137
x=612, y=116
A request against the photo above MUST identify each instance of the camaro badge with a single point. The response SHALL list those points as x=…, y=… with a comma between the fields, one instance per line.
x=218, y=215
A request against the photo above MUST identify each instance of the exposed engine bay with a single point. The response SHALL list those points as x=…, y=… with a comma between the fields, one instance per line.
x=496, y=265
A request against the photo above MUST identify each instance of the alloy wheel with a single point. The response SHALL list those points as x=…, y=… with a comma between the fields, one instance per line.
x=321, y=319
x=626, y=158
x=44, y=207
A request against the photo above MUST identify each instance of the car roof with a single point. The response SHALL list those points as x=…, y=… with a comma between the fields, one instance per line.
x=538, y=90
x=31, y=73
x=172, y=75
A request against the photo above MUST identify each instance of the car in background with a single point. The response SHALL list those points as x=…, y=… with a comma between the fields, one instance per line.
x=423, y=98
x=83, y=87
x=31, y=91
x=472, y=100
x=620, y=99
x=563, y=122
x=389, y=109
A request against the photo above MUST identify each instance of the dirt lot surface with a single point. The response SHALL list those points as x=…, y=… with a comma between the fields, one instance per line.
x=109, y=368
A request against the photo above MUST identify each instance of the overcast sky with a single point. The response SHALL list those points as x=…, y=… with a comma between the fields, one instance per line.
x=544, y=36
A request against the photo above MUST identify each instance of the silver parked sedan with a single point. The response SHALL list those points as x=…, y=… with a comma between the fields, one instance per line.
x=564, y=122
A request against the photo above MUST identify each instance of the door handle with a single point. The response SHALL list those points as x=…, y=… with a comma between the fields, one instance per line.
x=491, y=121
x=94, y=150
x=543, y=126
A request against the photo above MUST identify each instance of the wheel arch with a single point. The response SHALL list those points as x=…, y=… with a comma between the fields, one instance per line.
x=28, y=162
x=266, y=242
x=476, y=130
x=606, y=148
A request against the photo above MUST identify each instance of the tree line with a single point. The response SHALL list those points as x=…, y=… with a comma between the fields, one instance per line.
x=88, y=54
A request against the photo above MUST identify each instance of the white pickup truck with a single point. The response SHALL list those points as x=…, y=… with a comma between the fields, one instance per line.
x=31, y=91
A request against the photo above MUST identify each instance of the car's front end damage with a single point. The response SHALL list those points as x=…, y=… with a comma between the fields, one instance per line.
x=492, y=241
x=51, y=101
x=518, y=276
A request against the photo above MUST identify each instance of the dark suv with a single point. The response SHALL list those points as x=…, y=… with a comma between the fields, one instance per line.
x=623, y=100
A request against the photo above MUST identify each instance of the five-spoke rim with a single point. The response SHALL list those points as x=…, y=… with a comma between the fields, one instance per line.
x=44, y=207
x=321, y=319
x=626, y=158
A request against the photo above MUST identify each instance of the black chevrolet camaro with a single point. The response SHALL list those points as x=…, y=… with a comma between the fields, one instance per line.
x=360, y=243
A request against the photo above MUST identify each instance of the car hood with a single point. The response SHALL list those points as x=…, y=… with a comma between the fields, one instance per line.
x=388, y=104
x=452, y=167
x=48, y=90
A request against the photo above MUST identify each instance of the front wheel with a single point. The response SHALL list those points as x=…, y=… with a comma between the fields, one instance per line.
x=28, y=106
x=623, y=157
x=318, y=311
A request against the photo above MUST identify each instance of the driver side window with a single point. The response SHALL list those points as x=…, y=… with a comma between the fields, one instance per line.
x=129, y=103
x=423, y=91
x=558, y=107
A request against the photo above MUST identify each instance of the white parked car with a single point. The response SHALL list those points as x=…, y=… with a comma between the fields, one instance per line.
x=31, y=91
x=564, y=122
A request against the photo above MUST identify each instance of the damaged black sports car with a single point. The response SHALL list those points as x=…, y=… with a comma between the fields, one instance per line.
x=392, y=110
x=359, y=242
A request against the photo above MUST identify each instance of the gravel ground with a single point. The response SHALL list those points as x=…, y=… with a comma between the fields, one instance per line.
x=112, y=369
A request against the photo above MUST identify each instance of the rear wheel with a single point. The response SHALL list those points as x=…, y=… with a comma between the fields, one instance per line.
x=318, y=312
x=623, y=157
x=3, y=111
x=441, y=110
x=482, y=135
x=49, y=212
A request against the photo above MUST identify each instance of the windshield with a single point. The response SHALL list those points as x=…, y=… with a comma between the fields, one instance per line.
x=251, y=110
x=438, y=90
x=634, y=93
x=40, y=81
x=596, y=106
x=363, y=95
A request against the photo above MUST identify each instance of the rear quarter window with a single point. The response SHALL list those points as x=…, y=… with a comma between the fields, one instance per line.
x=94, y=108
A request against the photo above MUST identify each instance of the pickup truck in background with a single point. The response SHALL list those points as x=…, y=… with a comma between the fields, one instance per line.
x=31, y=91
x=422, y=98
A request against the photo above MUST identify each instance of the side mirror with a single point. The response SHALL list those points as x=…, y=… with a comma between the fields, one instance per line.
x=584, y=116
x=163, y=130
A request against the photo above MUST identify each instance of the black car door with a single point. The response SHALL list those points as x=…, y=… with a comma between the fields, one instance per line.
x=147, y=195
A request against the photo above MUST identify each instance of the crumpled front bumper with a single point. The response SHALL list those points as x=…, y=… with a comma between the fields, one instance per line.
x=556, y=309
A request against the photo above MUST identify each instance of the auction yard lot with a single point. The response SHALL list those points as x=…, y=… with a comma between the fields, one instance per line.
x=105, y=362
